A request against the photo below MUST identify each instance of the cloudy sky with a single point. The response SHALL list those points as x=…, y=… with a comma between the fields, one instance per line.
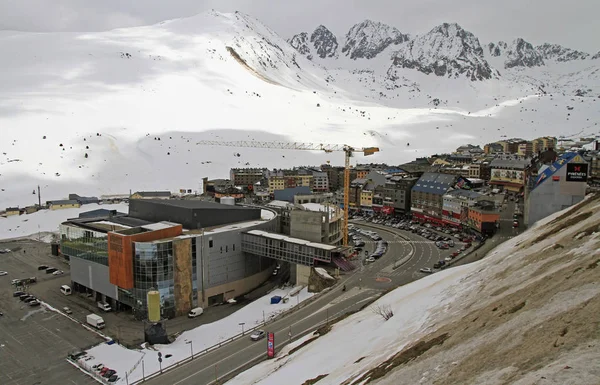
x=572, y=23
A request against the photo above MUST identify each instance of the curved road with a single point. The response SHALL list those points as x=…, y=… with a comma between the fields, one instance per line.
x=363, y=286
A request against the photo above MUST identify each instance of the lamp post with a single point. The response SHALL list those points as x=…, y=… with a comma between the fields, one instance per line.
x=191, y=343
x=242, y=325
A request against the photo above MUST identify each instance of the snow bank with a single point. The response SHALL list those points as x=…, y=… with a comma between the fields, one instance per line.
x=127, y=360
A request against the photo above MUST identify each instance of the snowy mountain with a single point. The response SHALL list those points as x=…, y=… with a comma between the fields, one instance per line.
x=497, y=49
x=322, y=41
x=109, y=112
x=525, y=314
x=447, y=50
x=596, y=56
x=369, y=38
x=522, y=54
x=559, y=53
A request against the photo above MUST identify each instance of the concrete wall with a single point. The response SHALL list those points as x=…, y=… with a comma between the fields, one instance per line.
x=92, y=275
x=307, y=225
x=302, y=274
x=224, y=268
x=182, y=275
x=552, y=196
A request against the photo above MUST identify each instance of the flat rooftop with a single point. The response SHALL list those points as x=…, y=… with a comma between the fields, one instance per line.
x=195, y=204
x=298, y=241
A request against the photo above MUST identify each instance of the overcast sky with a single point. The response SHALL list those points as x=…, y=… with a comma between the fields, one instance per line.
x=571, y=23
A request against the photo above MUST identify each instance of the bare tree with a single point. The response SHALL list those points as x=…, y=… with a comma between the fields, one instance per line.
x=385, y=311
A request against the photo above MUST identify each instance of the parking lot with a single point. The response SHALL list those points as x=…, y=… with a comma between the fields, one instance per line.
x=34, y=341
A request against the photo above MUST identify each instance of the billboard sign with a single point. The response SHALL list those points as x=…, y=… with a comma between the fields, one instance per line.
x=510, y=176
x=270, y=345
x=577, y=172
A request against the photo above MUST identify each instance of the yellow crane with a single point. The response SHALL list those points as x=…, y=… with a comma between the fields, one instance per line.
x=348, y=151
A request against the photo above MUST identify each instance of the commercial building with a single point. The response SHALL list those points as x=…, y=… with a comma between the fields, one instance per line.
x=556, y=187
x=198, y=261
x=317, y=223
x=427, y=196
x=398, y=193
x=313, y=198
x=509, y=173
x=289, y=181
x=63, y=204
x=288, y=194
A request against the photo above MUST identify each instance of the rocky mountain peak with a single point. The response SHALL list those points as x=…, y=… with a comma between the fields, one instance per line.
x=301, y=43
x=559, y=53
x=324, y=42
x=497, y=49
x=522, y=54
x=446, y=50
x=369, y=38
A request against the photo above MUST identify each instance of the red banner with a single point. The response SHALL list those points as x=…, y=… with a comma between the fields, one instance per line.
x=270, y=345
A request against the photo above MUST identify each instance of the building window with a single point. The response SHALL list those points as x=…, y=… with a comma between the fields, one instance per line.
x=210, y=243
x=234, y=247
x=226, y=249
x=221, y=249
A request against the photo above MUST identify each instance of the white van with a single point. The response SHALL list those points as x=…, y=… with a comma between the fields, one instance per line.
x=66, y=290
x=195, y=312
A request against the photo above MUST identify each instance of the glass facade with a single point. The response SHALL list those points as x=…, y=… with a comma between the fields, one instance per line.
x=78, y=242
x=153, y=269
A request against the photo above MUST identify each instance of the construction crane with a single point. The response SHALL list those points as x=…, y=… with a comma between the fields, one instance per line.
x=328, y=148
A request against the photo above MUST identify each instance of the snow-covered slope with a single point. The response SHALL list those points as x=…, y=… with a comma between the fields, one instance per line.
x=110, y=112
x=524, y=314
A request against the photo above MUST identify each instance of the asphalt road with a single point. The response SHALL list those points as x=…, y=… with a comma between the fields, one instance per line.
x=363, y=286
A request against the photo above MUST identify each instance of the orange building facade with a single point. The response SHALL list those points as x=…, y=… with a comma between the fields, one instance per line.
x=121, y=251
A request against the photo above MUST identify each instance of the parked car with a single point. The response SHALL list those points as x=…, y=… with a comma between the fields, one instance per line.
x=427, y=270
x=67, y=310
x=42, y=267
x=58, y=272
x=258, y=335
x=3, y=273
x=18, y=293
x=35, y=302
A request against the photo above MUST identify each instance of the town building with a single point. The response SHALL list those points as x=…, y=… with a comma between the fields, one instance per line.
x=289, y=181
x=313, y=198
x=320, y=181
x=455, y=205
x=151, y=195
x=483, y=217
x=10, y=211
x=525, y=149
x=508, y=173
x=511, y=146
x=288, y=194
x=555, y=187
x=246, y=176
x=427, y=196
x=544, y=143
x=63, y=204
x=214, y=186
x=119, y=258
x=317, y=223
x=83, y=200
x=493, y=148
x=335, y=176
x=397, y=194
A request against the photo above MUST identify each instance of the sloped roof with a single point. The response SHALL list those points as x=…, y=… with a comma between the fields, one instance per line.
x=434, y=183
x=545, y=173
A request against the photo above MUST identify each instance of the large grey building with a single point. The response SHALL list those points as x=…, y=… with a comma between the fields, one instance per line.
x=118, y=258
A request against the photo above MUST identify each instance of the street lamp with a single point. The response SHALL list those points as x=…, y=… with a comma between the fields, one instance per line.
x=191, y=343
x=242, y=325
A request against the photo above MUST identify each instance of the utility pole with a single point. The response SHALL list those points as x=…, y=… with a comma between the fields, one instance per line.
x=39, y=197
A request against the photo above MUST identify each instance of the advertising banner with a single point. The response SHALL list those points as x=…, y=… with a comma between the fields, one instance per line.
x=270, y=345
x=577, y=172
x=510, y=176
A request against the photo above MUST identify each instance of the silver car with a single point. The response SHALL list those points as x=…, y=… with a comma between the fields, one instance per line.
x=258, y=335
